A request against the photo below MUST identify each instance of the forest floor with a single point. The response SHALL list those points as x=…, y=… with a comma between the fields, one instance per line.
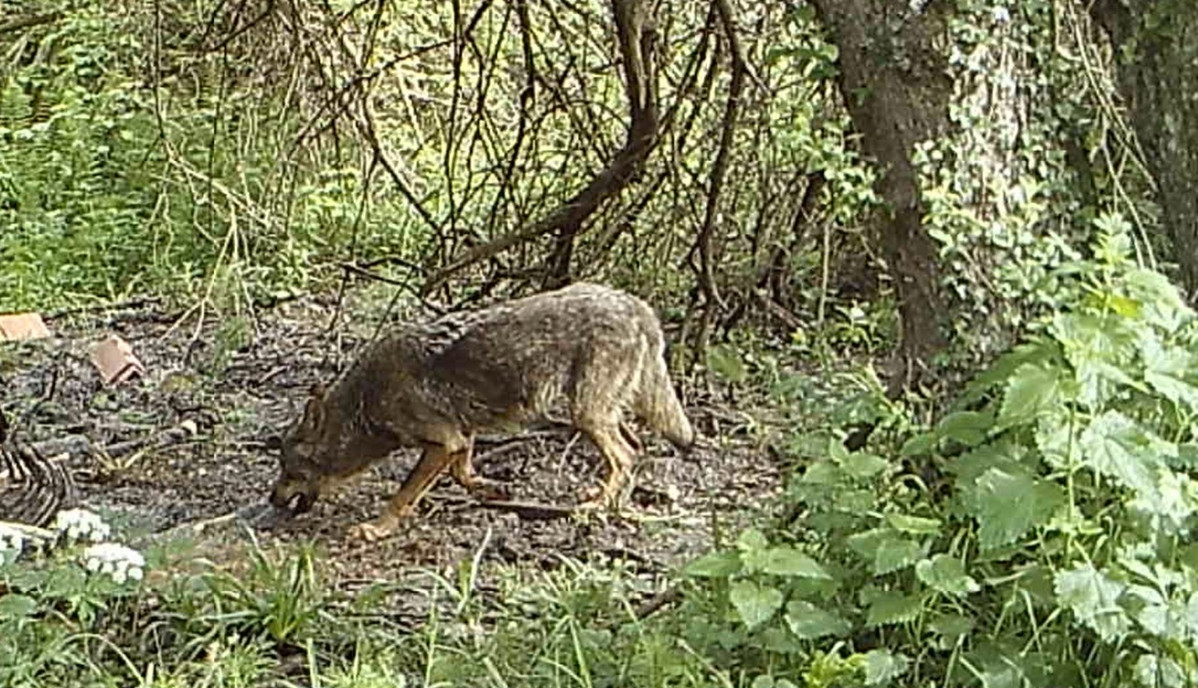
x=234, y=391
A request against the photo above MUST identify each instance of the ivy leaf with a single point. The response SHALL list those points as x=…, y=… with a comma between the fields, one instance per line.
x=1094, y=600
x=1007, y=506
x=788, y=561
x=1032, y=390
x=946, y=574
x=966, y=427
x=894, y=553
x=891, y=607
x=756, y=604
x=883, y=666
x=808, y=621
x=913, y=525
x=1111, y=446
x=714, y=565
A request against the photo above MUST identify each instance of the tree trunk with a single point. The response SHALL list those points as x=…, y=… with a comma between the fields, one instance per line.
x=895, y=85
x=1156, y=47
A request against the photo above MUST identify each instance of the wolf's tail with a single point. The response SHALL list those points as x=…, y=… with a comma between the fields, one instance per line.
x=656, y=402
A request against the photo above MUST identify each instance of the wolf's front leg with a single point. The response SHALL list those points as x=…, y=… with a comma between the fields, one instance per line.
x=432, y=463
x=462, y=470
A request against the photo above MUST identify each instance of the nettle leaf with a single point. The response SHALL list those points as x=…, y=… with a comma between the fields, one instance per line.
x=952, y=627
x=1173, y=499
x=755, y=603
x=1092, y=343
x=822, y=473
x=751, y=540
x=1156, y=671
x=13, y=606
x=946, y=574
x=892, y=607
x=1002, y=454
x=883, y=666
x=788, y=561
x=1053, y=435
x=808, y=621
x=1187, y=456
x=1094, y=600
x=1173, y=389
x=999, y=372
x=1162, y=303
x=1032, y=390
x=1161, y=617
x=863, y=466
x=1111, y=445
x=894, y=553
x=866, y=542
x=1173, y=361
x=714, y=565
x=919, y=445
x=966, y=427
x=1007, y=506
x=913, y=525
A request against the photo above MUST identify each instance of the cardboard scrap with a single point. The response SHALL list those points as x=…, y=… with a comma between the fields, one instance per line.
x=115, y=360
x=17, y=327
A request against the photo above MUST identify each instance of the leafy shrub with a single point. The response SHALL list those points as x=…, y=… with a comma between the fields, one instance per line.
x=1040, y=534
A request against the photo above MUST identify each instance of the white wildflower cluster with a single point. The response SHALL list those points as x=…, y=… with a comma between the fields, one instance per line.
x=80, y=525
x=12, y=542
x=118, y=561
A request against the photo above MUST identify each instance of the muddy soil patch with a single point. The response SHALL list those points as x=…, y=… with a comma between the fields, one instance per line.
x=236, y=383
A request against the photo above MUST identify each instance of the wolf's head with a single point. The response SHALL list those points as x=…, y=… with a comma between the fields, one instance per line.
x=303, y=464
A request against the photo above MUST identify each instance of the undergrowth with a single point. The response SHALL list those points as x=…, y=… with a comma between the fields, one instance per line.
x=1037, y=534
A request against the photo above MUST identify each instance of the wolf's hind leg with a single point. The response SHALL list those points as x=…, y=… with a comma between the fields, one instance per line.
x=618, y=455
x=433, y=462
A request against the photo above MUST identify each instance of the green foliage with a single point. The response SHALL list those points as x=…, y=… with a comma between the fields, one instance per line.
x=1039, y=534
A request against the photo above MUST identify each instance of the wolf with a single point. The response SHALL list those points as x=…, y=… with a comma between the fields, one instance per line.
x=435, y=385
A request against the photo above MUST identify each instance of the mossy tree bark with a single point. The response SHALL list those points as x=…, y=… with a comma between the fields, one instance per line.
x=1156, y=52
x=894, y=82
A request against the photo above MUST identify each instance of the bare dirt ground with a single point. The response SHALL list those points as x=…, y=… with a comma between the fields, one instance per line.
x=237, y=395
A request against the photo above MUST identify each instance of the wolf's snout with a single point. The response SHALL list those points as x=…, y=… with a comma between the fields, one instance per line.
x=292, y=501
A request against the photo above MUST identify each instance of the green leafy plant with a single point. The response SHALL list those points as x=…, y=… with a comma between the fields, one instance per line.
x=1038, y=534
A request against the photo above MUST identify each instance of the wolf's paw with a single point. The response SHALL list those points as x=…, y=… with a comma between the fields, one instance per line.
x=373, y=531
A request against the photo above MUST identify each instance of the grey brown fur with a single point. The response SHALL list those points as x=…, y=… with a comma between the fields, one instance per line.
x=435, y=385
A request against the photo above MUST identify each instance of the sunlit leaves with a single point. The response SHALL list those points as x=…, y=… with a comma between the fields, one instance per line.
x=1094, y=600
x=946, y=574
x=808, y=621
x=755, y=603
x=1032, y=390
x=1008, y=506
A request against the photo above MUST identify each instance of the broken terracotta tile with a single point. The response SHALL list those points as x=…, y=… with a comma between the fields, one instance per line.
x=115, y=360
x=16, y=327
